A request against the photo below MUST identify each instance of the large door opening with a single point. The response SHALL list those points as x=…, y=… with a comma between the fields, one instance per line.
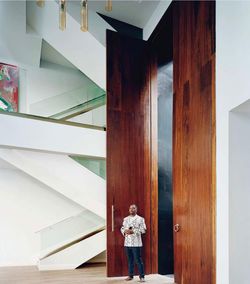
x=162, y=46
x=165, y=193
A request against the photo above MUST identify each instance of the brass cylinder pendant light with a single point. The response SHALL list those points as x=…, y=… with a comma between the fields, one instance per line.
x=84, y=15
x=83, y=12
x=62, y=15
x=40, y=3
x=108, y=6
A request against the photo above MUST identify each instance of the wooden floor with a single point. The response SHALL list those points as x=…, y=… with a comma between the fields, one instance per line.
x=92, y=274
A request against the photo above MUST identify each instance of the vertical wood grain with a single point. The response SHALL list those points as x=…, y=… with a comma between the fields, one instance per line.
x=130, y=154
x=194, y=141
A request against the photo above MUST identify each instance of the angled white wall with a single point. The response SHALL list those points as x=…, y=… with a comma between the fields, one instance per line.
x=232, y=89
x=27, y=206
x=82, y=49
x=53, y=88
x=51, y=80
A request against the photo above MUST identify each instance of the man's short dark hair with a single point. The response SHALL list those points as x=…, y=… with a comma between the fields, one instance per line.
x=134, y=205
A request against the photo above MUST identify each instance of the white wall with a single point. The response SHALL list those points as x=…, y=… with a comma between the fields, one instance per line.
x=25, y=207
x=239, y=197
x=15, y=45
x=232, y=88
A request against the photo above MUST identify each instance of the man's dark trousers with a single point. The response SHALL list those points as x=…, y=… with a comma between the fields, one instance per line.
x=134, y=256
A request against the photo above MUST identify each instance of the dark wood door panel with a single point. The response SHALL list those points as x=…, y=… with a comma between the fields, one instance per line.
x=130, y=85
x=194, y=141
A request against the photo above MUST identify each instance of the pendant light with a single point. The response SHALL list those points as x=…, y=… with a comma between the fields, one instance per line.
x=40, y=3
x=62, y=15
x=84, y=15
x=108, y=6
x=83, y=12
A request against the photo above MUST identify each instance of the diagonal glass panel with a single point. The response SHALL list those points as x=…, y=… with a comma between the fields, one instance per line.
x=78, y=100
x=81, y=108
x=95, y=165
x=69, y=230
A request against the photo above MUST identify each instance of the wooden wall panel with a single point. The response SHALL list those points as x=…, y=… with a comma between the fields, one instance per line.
x=131, y=156
x=194, y=141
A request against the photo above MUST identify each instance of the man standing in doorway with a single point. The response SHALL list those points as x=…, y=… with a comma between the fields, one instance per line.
x=132, y=228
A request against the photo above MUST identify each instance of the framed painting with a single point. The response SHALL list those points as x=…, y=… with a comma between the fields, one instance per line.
x=9, y=79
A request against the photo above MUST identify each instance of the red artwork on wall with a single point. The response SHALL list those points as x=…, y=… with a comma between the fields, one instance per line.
x=9, y=78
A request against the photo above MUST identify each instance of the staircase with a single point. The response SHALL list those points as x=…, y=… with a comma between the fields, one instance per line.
x=76, y=254
x=62, y=174
x=82, y=51
x=59, y=153
x=42, y=151
x=72, y=103
x=72, y=241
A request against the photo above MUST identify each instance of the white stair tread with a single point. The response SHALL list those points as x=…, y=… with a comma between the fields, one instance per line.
x=75, y=255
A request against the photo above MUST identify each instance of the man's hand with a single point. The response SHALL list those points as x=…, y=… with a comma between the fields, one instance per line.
x=129, y=232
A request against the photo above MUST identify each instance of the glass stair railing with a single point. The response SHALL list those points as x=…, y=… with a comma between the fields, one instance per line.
x=61, y=94
x=81, y=108
x=68, y=231
x=97, y=166
x=71, y=103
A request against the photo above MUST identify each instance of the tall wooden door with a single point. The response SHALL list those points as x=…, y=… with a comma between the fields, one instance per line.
x=194, y=141
x=131, y=151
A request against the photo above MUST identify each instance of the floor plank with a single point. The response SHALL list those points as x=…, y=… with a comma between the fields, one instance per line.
x=91, y=274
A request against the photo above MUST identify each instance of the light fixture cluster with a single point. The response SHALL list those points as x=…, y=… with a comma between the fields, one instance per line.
x=83, y=12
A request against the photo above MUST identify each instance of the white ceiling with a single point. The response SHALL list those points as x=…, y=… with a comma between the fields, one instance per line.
x=137, y=12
